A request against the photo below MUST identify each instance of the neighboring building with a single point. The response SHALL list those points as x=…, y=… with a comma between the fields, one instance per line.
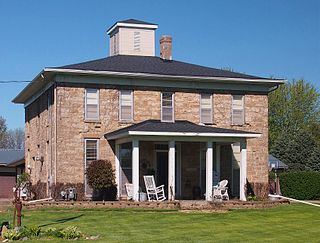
x=277, y=164
x=189, y=125
x=11, y=165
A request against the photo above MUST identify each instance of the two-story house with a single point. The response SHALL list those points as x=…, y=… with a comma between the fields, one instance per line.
x=189, y=125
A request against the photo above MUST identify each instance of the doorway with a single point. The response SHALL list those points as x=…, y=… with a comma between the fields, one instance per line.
x=162, y=170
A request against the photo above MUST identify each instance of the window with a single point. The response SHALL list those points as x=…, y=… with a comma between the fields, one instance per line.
x=92, y=104
x=136, y=41
x=167, y=107
x=126, y=105
x=91, y=154
x=206, y=108
x=237, y=109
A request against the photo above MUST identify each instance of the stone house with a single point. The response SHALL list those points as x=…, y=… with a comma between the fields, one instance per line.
x=189, y=125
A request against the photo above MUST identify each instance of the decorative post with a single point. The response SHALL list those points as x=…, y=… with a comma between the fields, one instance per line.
x=135, y=169
x=209, y=167
x=171, y=171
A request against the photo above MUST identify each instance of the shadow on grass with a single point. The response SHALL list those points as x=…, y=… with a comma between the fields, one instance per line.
x=61, y=221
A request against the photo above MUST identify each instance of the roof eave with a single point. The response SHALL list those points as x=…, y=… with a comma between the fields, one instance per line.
x=161, y=76
x=182, y=134
x=131, y=25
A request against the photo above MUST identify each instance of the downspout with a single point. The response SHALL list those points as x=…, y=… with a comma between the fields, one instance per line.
x=55, y=132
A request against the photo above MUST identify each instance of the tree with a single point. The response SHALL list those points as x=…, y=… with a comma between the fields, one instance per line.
x=294, y=124
x=294, y=106
x=3, y=132
x=15, y=139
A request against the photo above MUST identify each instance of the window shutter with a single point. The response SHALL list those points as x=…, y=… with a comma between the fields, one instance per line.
x=206, y=108
x=237, y=110
x=92, y=104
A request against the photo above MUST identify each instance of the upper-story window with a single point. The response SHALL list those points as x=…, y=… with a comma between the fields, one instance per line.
x=206, y=108
x=92, y=104
x=237, y=109
x=167, y=106
x=126, y=105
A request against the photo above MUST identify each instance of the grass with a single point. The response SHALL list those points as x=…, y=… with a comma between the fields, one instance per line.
x=290, y=223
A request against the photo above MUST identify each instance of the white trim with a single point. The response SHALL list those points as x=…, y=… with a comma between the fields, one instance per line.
x=120, y=104
x=209, y=170
x=243, y=171
x=117, y=169
x=192, y=134
x=185, y=134
x=171, y=170
x=85, y=105
x=174, y=77
x=135, y=169
x=211, y=108
x=130, y=25
x=172, y=107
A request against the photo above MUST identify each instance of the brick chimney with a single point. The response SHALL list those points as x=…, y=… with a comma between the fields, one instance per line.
x=166, y=47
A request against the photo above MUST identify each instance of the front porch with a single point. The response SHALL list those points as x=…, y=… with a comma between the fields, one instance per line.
x=187, y=158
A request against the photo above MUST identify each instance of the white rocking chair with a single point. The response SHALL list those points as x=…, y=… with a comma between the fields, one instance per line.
x=129, y=190
x=220, y=191
x=154, y=193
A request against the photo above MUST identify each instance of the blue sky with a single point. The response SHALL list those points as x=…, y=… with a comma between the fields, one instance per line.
x=265, y=38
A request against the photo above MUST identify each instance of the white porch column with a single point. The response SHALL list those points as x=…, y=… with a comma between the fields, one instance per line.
x=209, y=166
x=218, y=170
x=117, y=169
x=171, y=170
x=135, y=169
x=243, y=170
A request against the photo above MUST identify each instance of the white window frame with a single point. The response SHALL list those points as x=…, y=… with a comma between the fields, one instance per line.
x=172, y=102
x=120, y=104
x=85, y=161
x=243, y=110
x=85, y=105
x=211, y=109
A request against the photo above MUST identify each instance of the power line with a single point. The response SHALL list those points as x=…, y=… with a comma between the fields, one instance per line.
x=13, y=81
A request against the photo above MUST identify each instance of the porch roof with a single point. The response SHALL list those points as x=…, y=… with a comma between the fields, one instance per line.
x=179, y=128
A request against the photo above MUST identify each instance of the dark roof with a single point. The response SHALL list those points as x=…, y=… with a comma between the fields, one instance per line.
x=154, y=65
x=9, y=156
x=177, y=126
x=278, y=163
x=131, y=21
x=134, y=21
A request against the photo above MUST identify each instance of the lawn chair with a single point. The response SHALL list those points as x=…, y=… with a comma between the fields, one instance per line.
x=153, y=193
x=129, y=190
x=220, y=191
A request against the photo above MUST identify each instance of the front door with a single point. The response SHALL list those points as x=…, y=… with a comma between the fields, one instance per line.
x=162, y=170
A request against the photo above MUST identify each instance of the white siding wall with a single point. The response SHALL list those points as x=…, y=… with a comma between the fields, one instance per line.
x=126, y=42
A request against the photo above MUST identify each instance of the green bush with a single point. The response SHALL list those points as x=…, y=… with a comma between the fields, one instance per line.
x=101, y=178
x=71, y=232
x=303, y=185
x=13, y=234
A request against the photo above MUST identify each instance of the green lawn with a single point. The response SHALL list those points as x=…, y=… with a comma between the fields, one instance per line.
x=292, y=223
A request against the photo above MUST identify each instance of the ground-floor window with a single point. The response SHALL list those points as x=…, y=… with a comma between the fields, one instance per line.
x=125, y=166
x=91, y=154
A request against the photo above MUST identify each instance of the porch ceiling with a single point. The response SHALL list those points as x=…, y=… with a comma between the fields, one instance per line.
x=178, y=128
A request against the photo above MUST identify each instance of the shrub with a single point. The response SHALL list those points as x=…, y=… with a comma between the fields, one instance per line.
x=71, y=232
x=39, y=190
x=33, y=230
x=304, y=185
x=13, y=234
x=101, y=178
x=53, y=232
